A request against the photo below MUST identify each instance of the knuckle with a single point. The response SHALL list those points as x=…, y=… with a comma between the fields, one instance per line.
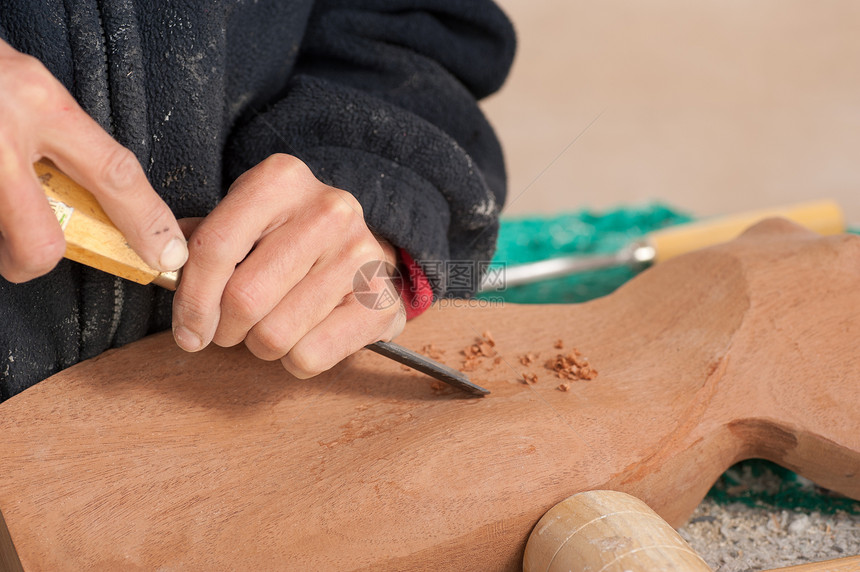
x=241, y=299
x=29, y=66
x=380, y=276
x=32, y=83
x=267, y=343
x=13, y=274
x=29, y=261
x=340, y=210
x=280, y=161
x=211, y=244
x=364, y=250
x=304, y=364
x=120, y=169
x=350, y=200
x=385, y=319
x=49, y=254
x=283, y=167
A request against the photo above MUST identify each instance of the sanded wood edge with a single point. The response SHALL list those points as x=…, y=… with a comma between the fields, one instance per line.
x=851, y=563
x=9, y=561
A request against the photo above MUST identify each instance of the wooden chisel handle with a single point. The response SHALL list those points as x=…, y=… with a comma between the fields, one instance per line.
x=91, y=237
x=824, y=217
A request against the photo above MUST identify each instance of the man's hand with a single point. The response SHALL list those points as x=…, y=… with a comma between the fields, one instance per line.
x=39, y=118
x=273, y=265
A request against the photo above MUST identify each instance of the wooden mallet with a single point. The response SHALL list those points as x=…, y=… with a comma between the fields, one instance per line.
x=611, y=531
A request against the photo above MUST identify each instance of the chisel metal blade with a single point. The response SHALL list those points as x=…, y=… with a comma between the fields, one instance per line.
x=426, y=365
x=638, y=254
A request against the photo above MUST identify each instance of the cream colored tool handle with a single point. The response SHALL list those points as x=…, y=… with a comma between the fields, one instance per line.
x=91, y=237
x=607, y=531
x=824, y=217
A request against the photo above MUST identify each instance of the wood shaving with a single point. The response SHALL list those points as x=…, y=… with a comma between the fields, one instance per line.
x=431, y=351
x=530, y=378
x=563, y=386
x=470, y=364
x=438, y=386
x=487, y=350
x=558, y=344
x=528, y=358
x=571, y=366
x=483, y=347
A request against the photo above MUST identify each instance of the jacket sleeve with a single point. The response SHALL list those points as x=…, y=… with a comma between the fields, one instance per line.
x=383, y=103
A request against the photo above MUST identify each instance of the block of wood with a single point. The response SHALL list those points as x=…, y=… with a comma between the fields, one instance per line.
x=147, y=457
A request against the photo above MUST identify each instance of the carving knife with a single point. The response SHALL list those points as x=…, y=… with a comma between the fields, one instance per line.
x=92, y=239
x=824, y=217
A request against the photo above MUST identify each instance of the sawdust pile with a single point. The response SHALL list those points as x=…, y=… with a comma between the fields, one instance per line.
x=483, y=347
x=568, y=367
x=572, y=366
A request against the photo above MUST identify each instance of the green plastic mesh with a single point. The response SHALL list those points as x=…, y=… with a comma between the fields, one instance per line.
x=754, y=482
x=531, y=239
x=765, y=484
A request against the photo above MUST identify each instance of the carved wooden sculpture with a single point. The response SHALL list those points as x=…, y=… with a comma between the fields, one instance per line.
x=153, y=458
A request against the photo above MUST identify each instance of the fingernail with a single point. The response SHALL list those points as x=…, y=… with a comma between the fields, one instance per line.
x=174, y=254
x=187, y=340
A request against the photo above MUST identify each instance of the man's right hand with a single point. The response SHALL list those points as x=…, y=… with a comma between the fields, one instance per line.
x=39, y=118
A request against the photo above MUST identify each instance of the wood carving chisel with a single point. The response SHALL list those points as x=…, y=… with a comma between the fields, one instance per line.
x=824, y=217
x=93, y=240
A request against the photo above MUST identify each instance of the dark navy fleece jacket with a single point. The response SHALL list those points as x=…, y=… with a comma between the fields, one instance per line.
x=378, y=97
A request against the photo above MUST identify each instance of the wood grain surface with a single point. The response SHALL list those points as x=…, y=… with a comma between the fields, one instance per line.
x=151, y=458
